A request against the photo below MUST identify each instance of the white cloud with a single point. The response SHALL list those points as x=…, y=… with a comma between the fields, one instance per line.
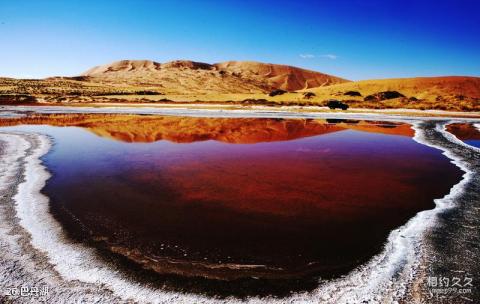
x=307, y=56
x=311, y=56
x=329, y=56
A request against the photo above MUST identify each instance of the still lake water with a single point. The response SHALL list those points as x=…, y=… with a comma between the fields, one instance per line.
x=237, y=205
x=467, y=132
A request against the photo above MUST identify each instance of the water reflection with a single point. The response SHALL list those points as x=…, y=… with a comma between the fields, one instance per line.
x=150, y=128
x=467, y=132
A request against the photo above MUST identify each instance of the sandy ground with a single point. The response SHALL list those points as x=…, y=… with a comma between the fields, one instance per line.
x=35, y=253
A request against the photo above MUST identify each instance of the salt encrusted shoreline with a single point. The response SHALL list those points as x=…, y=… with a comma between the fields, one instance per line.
x=477, y=125
x=21, y=263
x=72, y=271
x=193, y=110
x=452, y=243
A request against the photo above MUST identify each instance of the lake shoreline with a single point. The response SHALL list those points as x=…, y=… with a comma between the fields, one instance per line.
x=221, y=110
x=403, y=258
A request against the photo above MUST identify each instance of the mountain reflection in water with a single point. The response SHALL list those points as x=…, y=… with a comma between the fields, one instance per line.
x=150, y=128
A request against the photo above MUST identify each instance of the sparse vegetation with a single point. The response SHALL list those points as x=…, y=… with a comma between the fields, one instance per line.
x=16, y=98
x=277, y=92
x=352, y=93
x=308, y=95
x=260, y=101
x=383, y=96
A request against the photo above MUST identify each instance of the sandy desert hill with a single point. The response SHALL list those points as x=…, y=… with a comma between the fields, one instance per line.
x=186, y=77
x=177, y=77
x=240, y=82
x=278, y=76
x=461, y=92
x=419, y=87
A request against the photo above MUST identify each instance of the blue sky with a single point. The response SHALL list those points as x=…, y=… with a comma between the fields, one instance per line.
x=357, y=39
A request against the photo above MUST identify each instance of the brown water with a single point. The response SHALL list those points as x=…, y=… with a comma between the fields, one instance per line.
x=466, y=132
x=238, y=206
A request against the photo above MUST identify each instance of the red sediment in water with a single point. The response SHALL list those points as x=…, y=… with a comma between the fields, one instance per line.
x=464, y=131
x=467, y=132
x=211, y=197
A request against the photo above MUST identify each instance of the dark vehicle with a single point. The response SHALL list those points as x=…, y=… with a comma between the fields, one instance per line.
x=335, y=104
